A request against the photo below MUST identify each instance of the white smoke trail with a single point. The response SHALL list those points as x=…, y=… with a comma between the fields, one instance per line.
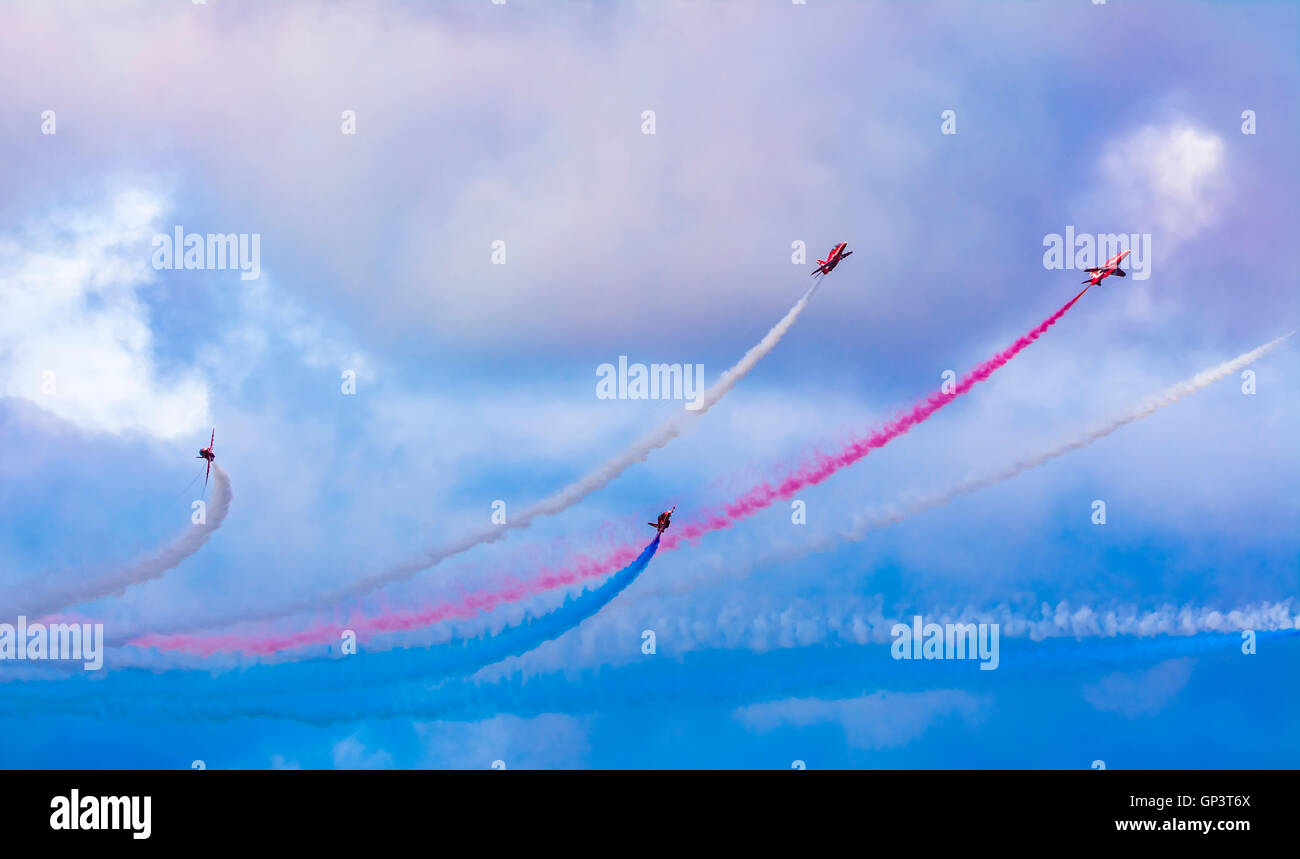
x=46, y=594
x=767, y=655
x=595, y=479
x=762, y=624
x=549, y=506
x=1150, y=406
x=864, y=620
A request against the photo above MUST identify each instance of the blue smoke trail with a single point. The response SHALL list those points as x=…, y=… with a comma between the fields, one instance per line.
x=126, y=690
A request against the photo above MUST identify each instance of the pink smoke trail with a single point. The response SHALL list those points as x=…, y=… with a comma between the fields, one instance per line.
x=586, y=568
x=471, y=605
x=823, y=467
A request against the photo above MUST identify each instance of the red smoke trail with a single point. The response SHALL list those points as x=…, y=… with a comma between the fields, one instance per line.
x=823, y=467
x=469, y=606
x=585, y=568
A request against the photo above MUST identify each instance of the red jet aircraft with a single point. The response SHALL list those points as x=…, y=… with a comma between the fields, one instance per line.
x=826, y=266
x=665, y=519
x=206, y=453
x=1109, y=267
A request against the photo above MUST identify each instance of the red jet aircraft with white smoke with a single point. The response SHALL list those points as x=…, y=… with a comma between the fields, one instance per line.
x=1106, y=269
x=206, y=453
x=826, y=266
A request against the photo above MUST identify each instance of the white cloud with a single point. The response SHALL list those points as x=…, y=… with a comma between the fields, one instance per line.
x=1170, y=177
x=549, y=741
x=571, y=185
x=75, y=331
x=1141, y=693
x=880, y=720
x=280, y=762
x=352, y=754
x=265, y=315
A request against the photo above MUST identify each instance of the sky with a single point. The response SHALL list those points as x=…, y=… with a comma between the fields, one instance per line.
x=463, y=209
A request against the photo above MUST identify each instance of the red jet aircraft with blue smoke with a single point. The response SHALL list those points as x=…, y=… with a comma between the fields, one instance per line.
x=665, y=519
x=826, y=266
x=1106, y=269
x=206, y=453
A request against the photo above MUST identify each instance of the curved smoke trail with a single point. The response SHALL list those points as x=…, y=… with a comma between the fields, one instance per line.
x=44, y=596
x=549, y=506
x=583, y=569
x=331, y=673
x=467, y=607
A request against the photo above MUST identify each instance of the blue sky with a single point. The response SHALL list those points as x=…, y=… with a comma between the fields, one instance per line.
x=774, y=123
